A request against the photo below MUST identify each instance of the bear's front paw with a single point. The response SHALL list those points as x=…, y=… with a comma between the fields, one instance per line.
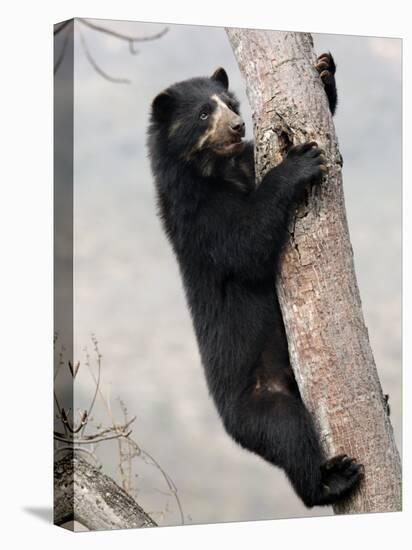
x=325, y=65
x=340, y=475
x=308, y=161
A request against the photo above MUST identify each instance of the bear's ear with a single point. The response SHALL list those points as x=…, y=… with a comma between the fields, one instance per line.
x=220, y=75
x=162, y=106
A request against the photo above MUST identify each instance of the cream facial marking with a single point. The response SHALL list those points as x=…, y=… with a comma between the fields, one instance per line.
x=221, y=115
x=220, y=103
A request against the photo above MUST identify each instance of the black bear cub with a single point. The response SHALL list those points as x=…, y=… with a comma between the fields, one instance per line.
x=227, y=234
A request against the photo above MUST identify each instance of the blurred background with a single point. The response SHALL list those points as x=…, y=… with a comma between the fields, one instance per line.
x=127, y=285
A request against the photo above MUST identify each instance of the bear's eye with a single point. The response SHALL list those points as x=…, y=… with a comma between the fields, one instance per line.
x=204, y=115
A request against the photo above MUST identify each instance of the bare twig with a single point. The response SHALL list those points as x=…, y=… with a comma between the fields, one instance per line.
x=70, y=427
x=59, y=410
x=119, y=431
x=60, y=362
x=62, y=26
x=130, y=39
x=125, y=457
x=75, y=440
x=99, y=368
x=169, y=481
x=84, y=441
x=96, y=67
x=63, y=50
x=74, y=369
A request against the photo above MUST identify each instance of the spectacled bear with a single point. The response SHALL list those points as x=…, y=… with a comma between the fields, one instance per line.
x=227, y=234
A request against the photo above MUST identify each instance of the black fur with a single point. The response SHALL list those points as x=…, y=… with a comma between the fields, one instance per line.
x=326, y=67
x=228, y=235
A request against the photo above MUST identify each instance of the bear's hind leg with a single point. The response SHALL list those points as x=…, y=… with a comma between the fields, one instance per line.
x=278, y=427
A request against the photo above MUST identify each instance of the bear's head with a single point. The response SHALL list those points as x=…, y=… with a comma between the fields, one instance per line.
x=198, y=118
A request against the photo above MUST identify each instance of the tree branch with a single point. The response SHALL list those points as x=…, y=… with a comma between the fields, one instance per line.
x=84, y=494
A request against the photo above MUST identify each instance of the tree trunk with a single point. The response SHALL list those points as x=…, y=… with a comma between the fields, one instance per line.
x=82, y=493
x=317, y=288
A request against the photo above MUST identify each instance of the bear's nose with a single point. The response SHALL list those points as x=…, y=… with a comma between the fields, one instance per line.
x=238, y=127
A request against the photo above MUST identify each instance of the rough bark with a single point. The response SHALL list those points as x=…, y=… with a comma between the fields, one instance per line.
x=84, y=494
x=317, y=288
